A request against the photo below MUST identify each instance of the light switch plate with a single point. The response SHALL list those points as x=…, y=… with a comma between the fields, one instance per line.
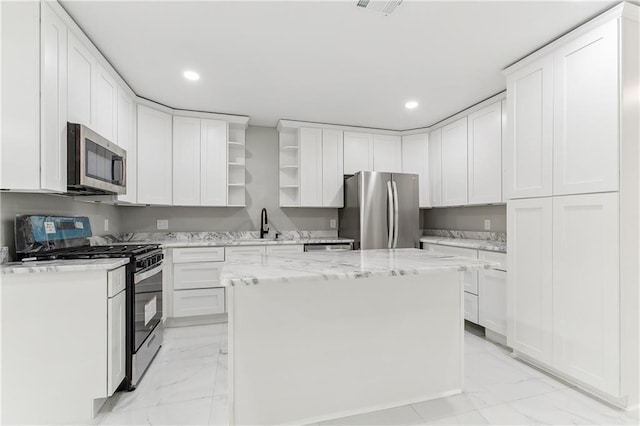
x=106, y=225
x=332, y=224
x=487, y=225
x=162, y=224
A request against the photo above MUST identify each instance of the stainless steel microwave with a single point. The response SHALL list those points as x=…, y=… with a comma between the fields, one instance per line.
x=95, y=166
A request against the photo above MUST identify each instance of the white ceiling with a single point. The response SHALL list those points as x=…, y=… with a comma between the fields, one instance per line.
x=329, y=62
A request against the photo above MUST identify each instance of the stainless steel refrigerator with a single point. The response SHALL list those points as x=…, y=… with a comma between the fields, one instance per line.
x=380, y=210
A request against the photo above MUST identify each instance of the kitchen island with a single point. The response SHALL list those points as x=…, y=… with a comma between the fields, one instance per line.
x=316, y=336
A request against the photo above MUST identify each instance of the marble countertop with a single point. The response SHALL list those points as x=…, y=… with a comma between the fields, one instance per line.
x=75, y=265
x=248, y=242
x=487, y=245
x=344, y=265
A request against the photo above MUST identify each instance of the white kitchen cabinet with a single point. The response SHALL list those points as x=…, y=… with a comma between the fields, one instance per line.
x=586, y=297
x=528, y=147
x=239, y=253
x=492, y=300
x=529, y=272
x=154, y=156
x=53, y=101
x=213, y=164
x=81, y=86
x=484, y=147
x=126, y=124
x=435, y=167
x=454, y=163
x=311, y=167
x=196, y=275
x=106, y=105
x=471, y=307
x=387, y=153
x=186, y=161
x=116, y=340
x=332, y=168
x=586, y=117
x=470, y=277
x=285, y=249
x=358, y=152
x=189, y=303
x=415, y=159
x=198, y=254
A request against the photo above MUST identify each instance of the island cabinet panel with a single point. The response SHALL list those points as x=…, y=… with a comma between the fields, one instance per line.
x=415, y=159
x=454, y=163
x=358, y=152
x=311, y=167
x=387, y=153
x=435, y=168
x=332, y=168
x=586, y=118
x=528, y=147
x=529, y=271
x=586, y=296
x=154, y=156
x=485, y=155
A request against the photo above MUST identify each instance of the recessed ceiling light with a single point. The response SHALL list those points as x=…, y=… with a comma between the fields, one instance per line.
x=411, y=105
x=191, y=75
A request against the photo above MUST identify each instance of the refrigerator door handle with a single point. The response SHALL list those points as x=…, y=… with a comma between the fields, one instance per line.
x=396, y=216
x=390, y=218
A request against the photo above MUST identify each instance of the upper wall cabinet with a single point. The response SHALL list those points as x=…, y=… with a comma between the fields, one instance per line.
x=106, y=105
x=435, y=168
x=415, y=159
x=387, y=153
x=82, y=74
x=485, y=155
x=454, y=163
x=34, y=98
x=358, y=152
x=126, y=133
x=154, y=157
x=311, y=167
x=332, y=168
x=585, y=132
x=213, y=163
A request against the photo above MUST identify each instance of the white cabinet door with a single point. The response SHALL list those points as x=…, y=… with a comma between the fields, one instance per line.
x=332, y=168
x=286, y=249
x=529, y=271
x=586, y=293
x=196, y=275
x=116, y=332
x=492, y=300
x=454, y=163
x=503, y=169
x=127, y=139
x=310, y=167
x=485, y=155
x=208, y=301
x=106, y=105
x=53, y=102
x=81, y=78
x=585, y=133
x=241, y=253
x=186, y=161
x=471, y=307
x=415, y=159
x=528, y=148
x=358, y=152
x=435, y=167
x=387, y=153
x=154, y=156
x=213, y=163
x=197, y=254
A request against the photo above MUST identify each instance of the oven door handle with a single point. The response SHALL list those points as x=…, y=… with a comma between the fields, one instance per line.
x=144, y=275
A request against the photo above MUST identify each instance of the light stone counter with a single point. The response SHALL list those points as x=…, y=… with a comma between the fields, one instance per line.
x=344, y=265
x=75, y=265
x=487, y=245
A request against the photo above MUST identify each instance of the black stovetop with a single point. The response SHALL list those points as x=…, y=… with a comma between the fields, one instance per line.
x=95, y=252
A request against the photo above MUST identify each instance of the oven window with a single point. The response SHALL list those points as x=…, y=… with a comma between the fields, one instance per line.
x=148, y=306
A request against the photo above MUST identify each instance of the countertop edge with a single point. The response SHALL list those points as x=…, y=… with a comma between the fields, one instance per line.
x=76, y=265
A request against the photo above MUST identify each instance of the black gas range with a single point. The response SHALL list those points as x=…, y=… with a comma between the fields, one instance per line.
x=58, y=237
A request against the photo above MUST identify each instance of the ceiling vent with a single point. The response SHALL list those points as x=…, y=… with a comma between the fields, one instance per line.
x=384, y=6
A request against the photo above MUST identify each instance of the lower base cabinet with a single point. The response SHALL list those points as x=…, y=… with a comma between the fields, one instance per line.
x=492, y=306
x=188, y=303
x=116, y=328
x=471, y=307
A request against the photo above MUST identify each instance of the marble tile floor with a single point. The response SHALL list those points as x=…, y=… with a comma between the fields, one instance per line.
x=187, y=385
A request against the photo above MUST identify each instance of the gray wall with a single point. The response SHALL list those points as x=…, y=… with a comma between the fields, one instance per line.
x=466, y=218
x=262, y=191
x=12, y=204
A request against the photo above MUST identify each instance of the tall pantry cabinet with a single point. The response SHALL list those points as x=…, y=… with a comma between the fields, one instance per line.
x=571, y=181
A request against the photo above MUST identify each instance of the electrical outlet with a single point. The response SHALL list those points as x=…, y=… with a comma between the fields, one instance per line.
x=332, y=224
x=487, y=225
x=106, y=225
x=162, y=224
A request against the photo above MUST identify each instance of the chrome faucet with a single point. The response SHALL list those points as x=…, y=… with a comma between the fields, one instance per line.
x=264, y=229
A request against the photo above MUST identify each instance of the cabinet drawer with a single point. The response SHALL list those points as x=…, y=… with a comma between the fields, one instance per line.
x=196, y=275
x=116, y=281
x=187, y=303
x=199, y=254
x=494, y=257
x=471, y=307
x=297, y=248
x=242, y=252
